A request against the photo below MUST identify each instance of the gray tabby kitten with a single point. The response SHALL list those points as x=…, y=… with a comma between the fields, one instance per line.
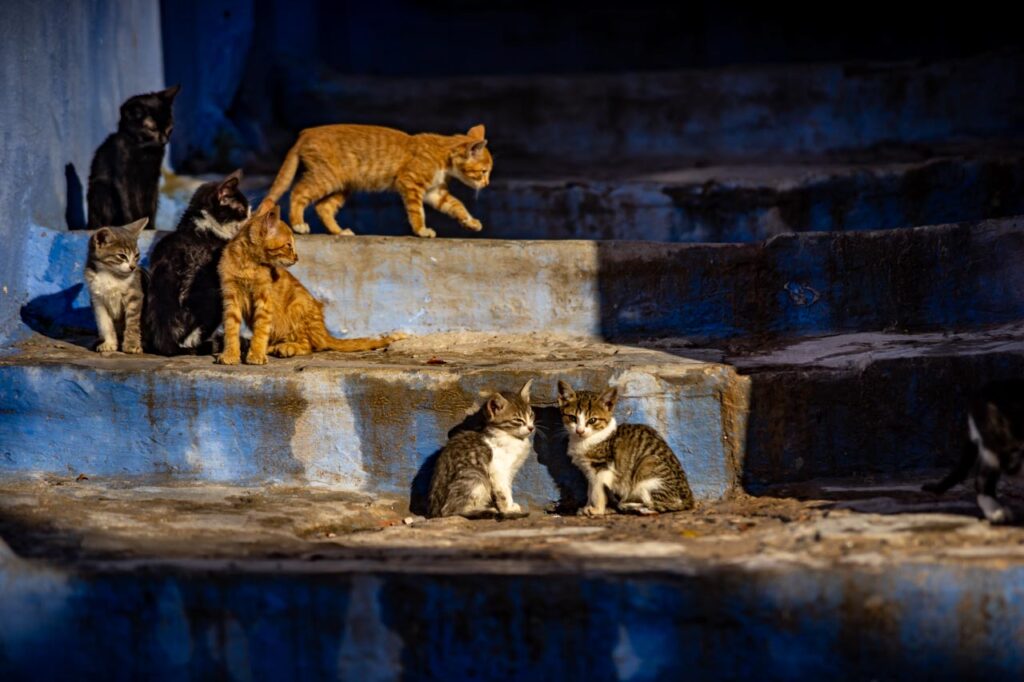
x=631, y=461
x=474, y=472
x=115, y=285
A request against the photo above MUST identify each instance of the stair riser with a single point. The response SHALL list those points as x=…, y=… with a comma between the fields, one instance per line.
x=371, y=430
x=808, y=284
x=919, y=621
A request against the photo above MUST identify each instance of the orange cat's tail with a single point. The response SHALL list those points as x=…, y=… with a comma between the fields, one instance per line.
x=325, y=341
x=284, y=177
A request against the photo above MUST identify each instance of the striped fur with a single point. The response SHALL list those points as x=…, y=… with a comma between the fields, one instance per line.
x=115, y=283
x=631, y=461
x=474, y=472
x=284, y=317
x=341, y=159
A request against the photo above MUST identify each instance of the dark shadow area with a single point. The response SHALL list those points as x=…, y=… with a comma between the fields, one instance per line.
x=57, y=316
x=74, y=212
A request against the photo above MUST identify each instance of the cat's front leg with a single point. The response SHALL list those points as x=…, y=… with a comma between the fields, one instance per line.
x=597, y=499
x=106, y=327
x=995, y=513
x=412, y=197
x=503, y=495
x=232, y=353
x=443, y=201
x=132, y=342
x=261, y=323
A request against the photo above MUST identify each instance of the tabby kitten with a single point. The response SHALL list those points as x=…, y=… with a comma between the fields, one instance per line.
x=995, y=428
x=341, y=159
x=124, y=178
x=184, y=307
x=631, y=461
x=284, y=317
x=115, y=283
x=474, y=472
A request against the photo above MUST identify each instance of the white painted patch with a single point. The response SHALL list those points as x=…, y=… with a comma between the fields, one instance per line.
x=225, y=231
x=627, y=663
x=369, y=651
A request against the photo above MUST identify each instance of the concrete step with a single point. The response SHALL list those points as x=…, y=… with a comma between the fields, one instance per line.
x=730, y=203
x=846, y=580
x=963, y=275
x=361, y=422
x=769, y=111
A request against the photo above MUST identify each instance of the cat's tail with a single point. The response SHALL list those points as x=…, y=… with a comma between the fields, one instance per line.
x=284, y=177
x=325, y=341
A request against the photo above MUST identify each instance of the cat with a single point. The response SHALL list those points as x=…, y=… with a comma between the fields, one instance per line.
x=124, y=178
x=341, y=159
x=284, y=317
x=184, y=307
x=474, y=472
x=995, y=430
x=630, y=460
x=116, y=285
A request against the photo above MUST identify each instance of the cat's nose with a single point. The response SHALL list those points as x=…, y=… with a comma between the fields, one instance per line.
x=529, y=429
x=132, y=266
x=579, y=432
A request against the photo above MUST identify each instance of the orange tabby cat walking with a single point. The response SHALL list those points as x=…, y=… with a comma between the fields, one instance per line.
x=284, y=317
x=341, y=159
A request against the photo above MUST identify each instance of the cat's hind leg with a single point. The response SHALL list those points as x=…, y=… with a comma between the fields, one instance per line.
x=289, y=349
x=328, y=207
x=305, y=191
x=986, y=483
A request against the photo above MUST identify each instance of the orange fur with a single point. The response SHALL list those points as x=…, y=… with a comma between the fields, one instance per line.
x=341, y=159
x=284, y=317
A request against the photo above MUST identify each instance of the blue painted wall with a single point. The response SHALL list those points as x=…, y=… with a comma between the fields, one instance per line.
x=65, y=68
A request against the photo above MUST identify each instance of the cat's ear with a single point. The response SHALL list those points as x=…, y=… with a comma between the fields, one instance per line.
x=496, y=403
x=228, y=185
x=565, y=393
x=609, y=397
x=524, y=392
x=136, y=228
x=170, y=93
x=102, y=236
x=263, y=224
x=476, y=132
x=477, y=148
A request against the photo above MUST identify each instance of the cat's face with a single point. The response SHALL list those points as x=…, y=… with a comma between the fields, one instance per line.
x=584, y=413
x=221, y=206
x=274, y=239
x=511, y=413
x=148, y=118
x=116, y=249
x=471, y=162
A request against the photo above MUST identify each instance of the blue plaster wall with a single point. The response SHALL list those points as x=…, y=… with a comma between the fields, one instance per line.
x=65, y=68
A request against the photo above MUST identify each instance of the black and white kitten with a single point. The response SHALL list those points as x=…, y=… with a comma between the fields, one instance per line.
x=116, y=286
x=995, y=427
x=184, y=307
x=474, y=472
x=124, y=177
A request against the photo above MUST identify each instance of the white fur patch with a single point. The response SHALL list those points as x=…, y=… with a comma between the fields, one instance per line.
x=644, y=488
x=507, y=454
x=193, y=339
x=989, y=458
x=993, y=511
x=108, y=290
x=580, y=446
x=225, y=231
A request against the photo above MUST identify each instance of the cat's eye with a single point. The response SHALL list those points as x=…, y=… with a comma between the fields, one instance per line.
x=591, y=421
x=123, y=257
x=518, y=422
x=571, y=417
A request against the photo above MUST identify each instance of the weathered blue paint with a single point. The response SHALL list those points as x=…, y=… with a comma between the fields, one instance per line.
x=65, y=68
x=356, y=426
x=716, y=205
x=937, y=277
x=926, y=621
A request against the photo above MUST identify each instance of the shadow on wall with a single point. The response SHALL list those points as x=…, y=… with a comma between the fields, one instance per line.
x=74, y=212
x=58, y=317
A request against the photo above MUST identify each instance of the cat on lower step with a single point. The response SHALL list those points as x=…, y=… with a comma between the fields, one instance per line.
x=631, y=462
x=995, y=446
x=474, y=472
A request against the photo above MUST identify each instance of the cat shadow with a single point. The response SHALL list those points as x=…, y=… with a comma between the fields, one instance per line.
x=550, y=446
x=56, y=315
x=74, y=212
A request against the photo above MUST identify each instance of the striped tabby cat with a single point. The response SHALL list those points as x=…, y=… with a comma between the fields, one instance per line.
x=631, y=461
x=116, y=283
x=474, y=472
x=342, y=159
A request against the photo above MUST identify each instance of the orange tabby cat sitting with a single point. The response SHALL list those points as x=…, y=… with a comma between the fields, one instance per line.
x=341, y=159
x=279, y=310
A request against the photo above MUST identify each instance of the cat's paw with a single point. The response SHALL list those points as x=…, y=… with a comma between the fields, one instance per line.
x=512, y=508
x=426, y=233
x=252, y=358
x=591, y=510
x=345, y=232
x=300, y=228
x=228, y=359
x=473, y=224
x=132, y=347
x=107, y=347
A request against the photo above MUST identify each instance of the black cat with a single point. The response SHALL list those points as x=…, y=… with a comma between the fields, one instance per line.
x=995, y=428
x=125, y=175
x=183, y=302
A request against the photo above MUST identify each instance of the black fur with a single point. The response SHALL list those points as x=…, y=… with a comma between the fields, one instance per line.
x=184, y=288
x=125, y=175
x=997, y=412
